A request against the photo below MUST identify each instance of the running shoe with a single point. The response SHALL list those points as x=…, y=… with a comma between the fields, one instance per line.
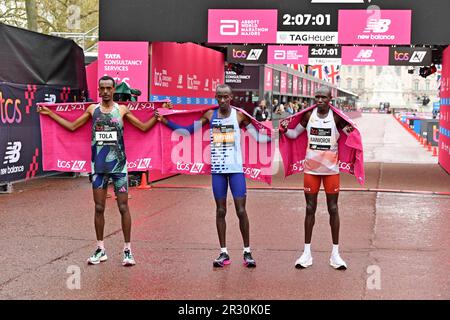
x=221, y=260
x=98, y=256
x=304, y=261
x=249, y=262
x=337, y=262
x=128, y=259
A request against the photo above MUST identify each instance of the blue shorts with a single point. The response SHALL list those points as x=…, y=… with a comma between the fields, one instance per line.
x=220, y=185
x=120, y=181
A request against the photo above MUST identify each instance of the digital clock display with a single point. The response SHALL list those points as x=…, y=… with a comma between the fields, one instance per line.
x=325, y=51
x=306, y=19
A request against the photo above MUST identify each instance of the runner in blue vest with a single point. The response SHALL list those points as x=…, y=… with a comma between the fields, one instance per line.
x=108, y=160
x=226, y=167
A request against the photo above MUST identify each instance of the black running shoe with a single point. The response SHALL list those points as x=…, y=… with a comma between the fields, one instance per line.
x=249, y=262
x=221, y=260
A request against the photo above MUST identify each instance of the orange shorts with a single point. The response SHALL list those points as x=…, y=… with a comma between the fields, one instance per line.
x=311, y=183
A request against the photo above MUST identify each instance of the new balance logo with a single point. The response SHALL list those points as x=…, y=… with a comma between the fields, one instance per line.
x=229, y=27
x=12, y=154
x=418, y=56
x=377, y=25
x=254, y=54
x=365, y=54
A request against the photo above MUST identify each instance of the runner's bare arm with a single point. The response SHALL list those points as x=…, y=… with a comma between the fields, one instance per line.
x=342, y=124
x=301, y=126
x=69, y=125
x=143, y=126
x=245, y=121
x=206, y=117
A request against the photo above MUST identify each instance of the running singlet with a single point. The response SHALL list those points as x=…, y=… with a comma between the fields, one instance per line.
x=108, y=149
x=226, y=155
x=322, y=151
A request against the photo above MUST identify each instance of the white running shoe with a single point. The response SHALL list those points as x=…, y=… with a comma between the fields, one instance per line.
x=304, y=261
x=337, y=262
x=98, y=256
x=128, y=259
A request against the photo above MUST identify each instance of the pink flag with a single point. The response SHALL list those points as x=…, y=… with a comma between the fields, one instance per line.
x=350, y=148
x=191, y=154
x=63, y=150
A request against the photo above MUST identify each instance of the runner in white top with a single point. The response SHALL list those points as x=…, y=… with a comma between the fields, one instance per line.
x=321, y=164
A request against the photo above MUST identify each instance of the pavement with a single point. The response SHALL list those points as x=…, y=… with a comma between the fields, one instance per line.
x=394, y=235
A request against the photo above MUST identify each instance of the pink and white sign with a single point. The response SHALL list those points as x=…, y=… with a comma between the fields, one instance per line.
x=294, y=85
x=287, y=54
x=305, y=89
x=374, y=56
x=283, y=82
x=374, y=26
x=444, y=117
x=242, y=26
x=125, y=61
x=268, y=79
x=185, y=70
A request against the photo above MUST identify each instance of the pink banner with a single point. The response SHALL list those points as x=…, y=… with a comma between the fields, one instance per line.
x=125, y=62
x=294, y=85
x=287, y=54
x=186, y=73
x=191, y=154
x=305, y=92
x=267, y=79
x=242, y=26
x=283, y=82
x=444, y=115
x=351, y=159
x=63, y=150
x=375, y=56
x=374, y=26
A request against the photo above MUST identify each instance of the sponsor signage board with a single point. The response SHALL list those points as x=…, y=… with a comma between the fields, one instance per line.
x=407, y=56
x=247, y=54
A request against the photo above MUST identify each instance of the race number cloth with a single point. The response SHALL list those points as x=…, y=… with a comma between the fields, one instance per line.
x=350, y=149
x=63, y=150
x=191, y=153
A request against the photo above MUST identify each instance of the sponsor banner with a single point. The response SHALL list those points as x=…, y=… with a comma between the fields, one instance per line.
x=125, y=62
x=295, y=86
x=444, y=116
x=184, y=100
x=242, y=26
x=289, y=83
x=287, y=55
x=268, y=79
x=307, y=37
x=374, y=26
x=20, y=141
x=185, y=71
x=63, y=150
x=376, y=56
x=276, y=81
x=248, y=79
x=191, y=154
x=247, y=54
x=406, y=56
x=283, y=82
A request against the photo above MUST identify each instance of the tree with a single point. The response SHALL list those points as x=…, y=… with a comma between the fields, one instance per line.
x=48, y=16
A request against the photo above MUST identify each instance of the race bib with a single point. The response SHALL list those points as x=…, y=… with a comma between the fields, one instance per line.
x=223, y=135
x=320, y=138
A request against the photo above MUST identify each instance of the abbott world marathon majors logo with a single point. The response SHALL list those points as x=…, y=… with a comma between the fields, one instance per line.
x=242, y=26
x=12, y=156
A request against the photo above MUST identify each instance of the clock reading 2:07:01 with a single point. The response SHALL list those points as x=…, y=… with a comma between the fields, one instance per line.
x=306, y=19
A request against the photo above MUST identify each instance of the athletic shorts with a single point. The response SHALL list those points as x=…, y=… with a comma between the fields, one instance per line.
x=220, y=183
x=311, y=183
x=120, y=181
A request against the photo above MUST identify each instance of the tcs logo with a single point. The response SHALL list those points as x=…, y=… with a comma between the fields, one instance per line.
x=72, y=165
